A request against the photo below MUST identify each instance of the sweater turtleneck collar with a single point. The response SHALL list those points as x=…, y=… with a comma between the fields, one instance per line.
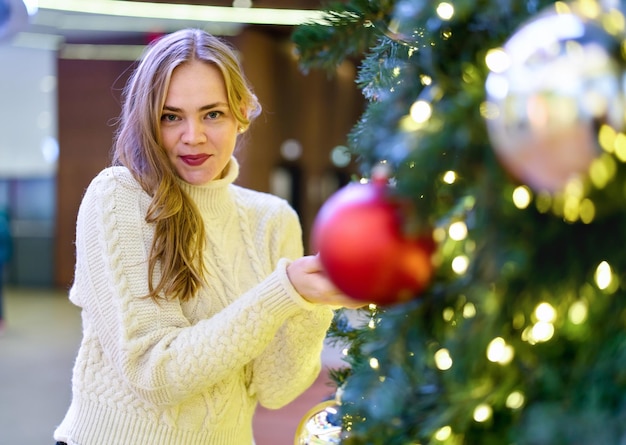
x=214, y=198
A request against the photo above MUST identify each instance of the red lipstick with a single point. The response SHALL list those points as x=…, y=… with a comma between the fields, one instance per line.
x=195, y=160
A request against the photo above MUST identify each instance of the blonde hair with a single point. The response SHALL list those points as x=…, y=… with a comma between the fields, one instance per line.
x=179, y=235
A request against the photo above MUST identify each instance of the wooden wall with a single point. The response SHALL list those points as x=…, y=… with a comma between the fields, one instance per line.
x=316, y=109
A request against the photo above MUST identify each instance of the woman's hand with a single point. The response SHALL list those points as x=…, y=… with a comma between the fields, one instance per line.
x=309, y=279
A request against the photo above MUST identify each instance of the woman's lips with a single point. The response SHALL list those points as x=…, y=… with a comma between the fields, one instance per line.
x=195, y=160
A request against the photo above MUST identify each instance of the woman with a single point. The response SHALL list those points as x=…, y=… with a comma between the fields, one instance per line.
x=196, y=301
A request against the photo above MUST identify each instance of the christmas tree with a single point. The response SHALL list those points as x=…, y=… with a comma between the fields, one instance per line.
x=502, y=123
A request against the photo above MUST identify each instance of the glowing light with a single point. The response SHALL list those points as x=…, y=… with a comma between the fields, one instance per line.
x=460, y=264
x=571, y=209
x=587, y=211
x=483, y=412
x=515, y=400
x=426, y=80
x=620, y=146
x=439, y=234
x=603, y=275
x=601, y=171
x=186, y=12
x=497, y=60
x=443, y=433
x=449, y=177
x=371, y=324
x=445, y=10
x=541, y=332
x=443, y=360
x=469, y=310
x=545, y=312
x=606, y=138
x=458, y=231
x=448, y=314
x=421, y=111
x=577, y=313
x=499, y=351
x=374, y=363
x=521, y=197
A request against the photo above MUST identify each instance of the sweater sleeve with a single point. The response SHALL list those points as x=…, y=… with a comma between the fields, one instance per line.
x=292, y=361
x=151, y=345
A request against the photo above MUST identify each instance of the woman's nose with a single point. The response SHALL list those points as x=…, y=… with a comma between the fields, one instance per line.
x=193, y=133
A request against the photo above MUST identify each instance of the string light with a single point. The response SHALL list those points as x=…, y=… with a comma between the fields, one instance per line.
x=522, y=197
x=545, y=312
x=515, y=400
x=620, y=146
x=497, y=60
x=460, y=264
x=538, y=333
x=602, y=170
x=443, y=433
x=449, y=177
x=577, y=313
x=603, y=275
x=458, y=230
x=425, y=79
x=482, y=413
x=420, y=111
x=374, y=363
x=469, y=310
x=443, y=361
x=499, y=351
x=445, y=10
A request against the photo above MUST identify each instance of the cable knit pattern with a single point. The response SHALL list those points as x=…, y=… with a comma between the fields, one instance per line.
x=187, y=373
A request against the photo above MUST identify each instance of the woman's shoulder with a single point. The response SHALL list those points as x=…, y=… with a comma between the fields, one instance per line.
x=113, y=177
x=115, y=173
x=114, y=185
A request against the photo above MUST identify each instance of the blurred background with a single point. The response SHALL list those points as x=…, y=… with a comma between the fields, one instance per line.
x=61, y=76
x=63, y=64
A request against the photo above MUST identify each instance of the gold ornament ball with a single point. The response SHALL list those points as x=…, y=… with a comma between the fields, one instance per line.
x=321, y=425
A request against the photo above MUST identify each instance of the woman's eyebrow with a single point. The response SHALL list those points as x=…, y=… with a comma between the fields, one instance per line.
x=202, y=108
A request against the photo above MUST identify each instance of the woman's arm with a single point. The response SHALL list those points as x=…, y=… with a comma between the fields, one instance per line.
x=292, y=361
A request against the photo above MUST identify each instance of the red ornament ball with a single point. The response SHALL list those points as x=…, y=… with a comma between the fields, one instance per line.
x=359, y=235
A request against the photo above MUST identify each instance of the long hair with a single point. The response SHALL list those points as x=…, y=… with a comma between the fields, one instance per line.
x=179, y=234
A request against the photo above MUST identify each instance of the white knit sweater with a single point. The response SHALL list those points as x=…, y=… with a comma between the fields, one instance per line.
x=187, y=373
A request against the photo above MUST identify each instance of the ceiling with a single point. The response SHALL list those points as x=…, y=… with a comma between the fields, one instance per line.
x=52, y=25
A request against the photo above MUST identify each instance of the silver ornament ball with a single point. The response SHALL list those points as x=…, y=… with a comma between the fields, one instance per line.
x=559, y=79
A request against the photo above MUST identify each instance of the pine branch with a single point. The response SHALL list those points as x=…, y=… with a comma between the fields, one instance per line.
x=346, y=31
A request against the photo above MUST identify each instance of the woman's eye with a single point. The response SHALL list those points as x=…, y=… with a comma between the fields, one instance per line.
x=169, y=117
x=214, y=114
